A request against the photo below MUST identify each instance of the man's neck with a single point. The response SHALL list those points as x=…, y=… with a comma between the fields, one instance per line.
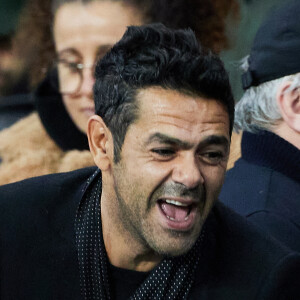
x=123, y=250
x=287, y=133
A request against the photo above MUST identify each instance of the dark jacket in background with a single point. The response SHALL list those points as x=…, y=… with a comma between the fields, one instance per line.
x=14, y=108
x=264, y=186
x=39, y=258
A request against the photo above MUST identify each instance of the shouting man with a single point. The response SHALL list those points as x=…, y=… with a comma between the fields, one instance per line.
x=146, y=224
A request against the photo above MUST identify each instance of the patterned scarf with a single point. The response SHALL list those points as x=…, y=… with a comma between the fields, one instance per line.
x=171, y=279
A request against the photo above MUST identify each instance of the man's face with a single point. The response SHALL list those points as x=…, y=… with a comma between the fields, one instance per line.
x=171, y=170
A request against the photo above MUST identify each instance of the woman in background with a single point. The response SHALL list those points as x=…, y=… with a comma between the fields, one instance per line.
x=66, y=38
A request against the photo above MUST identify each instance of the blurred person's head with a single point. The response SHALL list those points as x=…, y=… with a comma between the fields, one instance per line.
x=47, y=30
x=5, y=62
x=11, y=68
x=271, y=78
x=79, y=42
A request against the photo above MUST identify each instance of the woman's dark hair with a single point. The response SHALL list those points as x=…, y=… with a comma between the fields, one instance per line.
x=34, y=40
x=155, y=56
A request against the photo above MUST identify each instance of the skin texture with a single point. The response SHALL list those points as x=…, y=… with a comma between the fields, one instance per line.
x=81, y=39
x=178, y=149
x=288, y=102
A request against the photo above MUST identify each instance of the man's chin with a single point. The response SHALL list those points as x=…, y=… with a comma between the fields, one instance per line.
x=175, y=247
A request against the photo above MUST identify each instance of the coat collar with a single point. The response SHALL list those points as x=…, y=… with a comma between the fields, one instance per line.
x=269, y=150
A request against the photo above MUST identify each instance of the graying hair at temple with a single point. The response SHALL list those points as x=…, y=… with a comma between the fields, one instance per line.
x=258, y=107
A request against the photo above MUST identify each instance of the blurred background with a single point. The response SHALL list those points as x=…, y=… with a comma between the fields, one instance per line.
x=241, y=35
x=252, y=13
x=9, y=12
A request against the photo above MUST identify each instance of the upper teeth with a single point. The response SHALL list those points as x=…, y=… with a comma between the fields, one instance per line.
x=176, y=202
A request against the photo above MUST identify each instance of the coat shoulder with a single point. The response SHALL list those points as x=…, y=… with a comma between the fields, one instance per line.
x=246, y=187
x=37, y=236
x=26, y=134
x=241, y=262
x=39, y=192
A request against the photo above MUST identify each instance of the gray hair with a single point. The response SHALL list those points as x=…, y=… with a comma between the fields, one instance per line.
x=258, y=107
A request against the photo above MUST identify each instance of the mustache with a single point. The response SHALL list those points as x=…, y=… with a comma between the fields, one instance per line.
x=179, y=190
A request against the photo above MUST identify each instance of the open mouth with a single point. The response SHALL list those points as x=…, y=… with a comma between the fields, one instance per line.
x=179, y=215
x=174, y=210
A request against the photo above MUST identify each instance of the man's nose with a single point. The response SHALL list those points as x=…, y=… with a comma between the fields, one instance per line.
x=88, y=81
x=187, y=172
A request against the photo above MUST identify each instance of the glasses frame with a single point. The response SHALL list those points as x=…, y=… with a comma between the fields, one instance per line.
x=79, y=69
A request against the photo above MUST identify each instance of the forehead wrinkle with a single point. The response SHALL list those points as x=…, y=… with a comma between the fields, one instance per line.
x=170, y=115
x=174, y=120
x=166, y=108
x=173, y=126
x=186, y=124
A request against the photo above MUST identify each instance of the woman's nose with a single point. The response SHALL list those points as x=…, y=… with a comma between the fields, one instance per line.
x=88, y=81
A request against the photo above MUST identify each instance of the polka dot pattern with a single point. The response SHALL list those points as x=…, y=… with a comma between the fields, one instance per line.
x=171, y=279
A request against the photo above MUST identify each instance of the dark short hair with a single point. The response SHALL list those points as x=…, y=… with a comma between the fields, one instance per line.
x=153, y=55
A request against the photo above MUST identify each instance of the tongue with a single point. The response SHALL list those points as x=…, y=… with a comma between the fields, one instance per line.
x=178, y=213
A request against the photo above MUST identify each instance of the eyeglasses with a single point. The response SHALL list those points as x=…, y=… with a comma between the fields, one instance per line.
x=67, y=73
x=70, y=76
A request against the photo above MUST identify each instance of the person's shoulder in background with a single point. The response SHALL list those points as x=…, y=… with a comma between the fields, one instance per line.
x=14, y=108
x=241, y=262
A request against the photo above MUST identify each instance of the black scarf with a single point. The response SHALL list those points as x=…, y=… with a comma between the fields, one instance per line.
x=56, y=120
x=171, y=279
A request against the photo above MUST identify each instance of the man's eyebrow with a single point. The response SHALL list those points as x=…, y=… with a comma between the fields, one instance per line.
x=166, y=139
x=209, y=140
x=215, y=140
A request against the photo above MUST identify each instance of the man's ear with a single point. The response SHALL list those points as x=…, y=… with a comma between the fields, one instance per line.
x=100, y=142
x=288, y=102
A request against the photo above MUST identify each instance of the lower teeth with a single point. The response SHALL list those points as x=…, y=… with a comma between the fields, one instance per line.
x=172, y=219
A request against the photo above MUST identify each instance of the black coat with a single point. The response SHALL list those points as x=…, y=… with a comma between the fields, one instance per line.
x=264, y=186
x=39, y=259
x=55, y=118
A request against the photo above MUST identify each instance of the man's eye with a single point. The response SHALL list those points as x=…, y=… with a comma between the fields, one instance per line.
x=213, y=157
x=163, y=152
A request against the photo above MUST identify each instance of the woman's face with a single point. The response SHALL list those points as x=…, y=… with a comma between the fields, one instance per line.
x=82, y=34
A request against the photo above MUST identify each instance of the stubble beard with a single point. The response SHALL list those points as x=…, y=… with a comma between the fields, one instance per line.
x=149, y=235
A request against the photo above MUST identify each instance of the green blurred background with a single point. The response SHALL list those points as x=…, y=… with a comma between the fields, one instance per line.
x=9, y=12
x=252, y=13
